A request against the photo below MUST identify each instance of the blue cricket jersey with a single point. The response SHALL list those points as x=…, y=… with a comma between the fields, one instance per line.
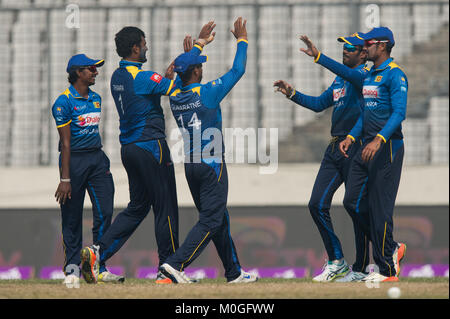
x=137, y=95
x=347, y=102
x=196, y=109
x=384, y=90
x=83, y=116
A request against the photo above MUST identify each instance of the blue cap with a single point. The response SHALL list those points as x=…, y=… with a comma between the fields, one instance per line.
x=79, y=60
x=183, y=61
x=354, y=39
x=381, y=33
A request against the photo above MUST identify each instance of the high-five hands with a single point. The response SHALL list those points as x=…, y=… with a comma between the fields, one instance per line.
x=240, y=30
x=311, y=48
x=284, y=87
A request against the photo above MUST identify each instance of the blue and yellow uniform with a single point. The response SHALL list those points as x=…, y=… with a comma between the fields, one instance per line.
x=346, y=101
x=196, y=109
x=384, y=91
x=146, y=158
x=89, y=170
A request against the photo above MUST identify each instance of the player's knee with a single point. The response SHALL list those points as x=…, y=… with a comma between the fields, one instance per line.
x=349, y=204
x=314, y=206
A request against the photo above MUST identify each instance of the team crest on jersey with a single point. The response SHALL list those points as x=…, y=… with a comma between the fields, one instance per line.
x=97, y=105
x=378, y=78
x=156, y=77
x=58, y=109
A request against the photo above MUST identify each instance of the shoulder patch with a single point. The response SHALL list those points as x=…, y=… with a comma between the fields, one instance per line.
x=156, y=78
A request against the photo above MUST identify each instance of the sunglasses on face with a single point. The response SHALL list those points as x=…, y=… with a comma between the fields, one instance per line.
x=350, y=48
x=91, y=68
x=370, y=42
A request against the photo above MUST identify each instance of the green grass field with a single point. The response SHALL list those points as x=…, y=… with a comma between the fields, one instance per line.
x=417, y=288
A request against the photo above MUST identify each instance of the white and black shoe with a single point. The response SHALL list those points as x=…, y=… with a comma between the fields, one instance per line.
x=177, y=277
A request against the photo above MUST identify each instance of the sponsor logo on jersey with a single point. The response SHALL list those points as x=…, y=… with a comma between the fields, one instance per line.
x=156, y=77
x=97, y=105
x=370, y=91
x=378, y=78
x=89, y=119
x=338, y=93
x=118, y=87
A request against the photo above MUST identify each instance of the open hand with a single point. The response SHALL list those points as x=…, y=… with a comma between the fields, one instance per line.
x=283, y=87
x=240, y=30
x=206, y=34
x=311, y=48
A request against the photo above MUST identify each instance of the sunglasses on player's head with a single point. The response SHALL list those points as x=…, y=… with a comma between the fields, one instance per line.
x=350, y=48
x=91, y=68
x=370, y=42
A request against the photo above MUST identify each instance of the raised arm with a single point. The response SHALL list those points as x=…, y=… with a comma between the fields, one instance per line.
x=223, y=85
x=355, y=77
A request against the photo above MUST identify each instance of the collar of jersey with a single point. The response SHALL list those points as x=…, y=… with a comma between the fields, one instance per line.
x=124, y=64
x=77, y=95
x=190, y=87
x=383, y=65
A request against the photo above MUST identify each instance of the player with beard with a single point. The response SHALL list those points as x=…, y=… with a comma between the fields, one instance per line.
x=346, y=101
x=145, y=153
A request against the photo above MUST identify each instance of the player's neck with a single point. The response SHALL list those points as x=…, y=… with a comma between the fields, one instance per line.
x=380, y=60
x=82, y=89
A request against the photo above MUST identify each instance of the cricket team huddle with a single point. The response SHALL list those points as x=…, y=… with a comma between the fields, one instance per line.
x=365, y=152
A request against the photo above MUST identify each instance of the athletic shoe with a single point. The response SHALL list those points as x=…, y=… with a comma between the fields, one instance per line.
x=177, y=277
x=90, y=263
x=162, y=279
x=377, y=277
x=397, y=256
x=107, y=276
x=72, y=281
x=244, y=278
x=352, y=276
x=331, y=271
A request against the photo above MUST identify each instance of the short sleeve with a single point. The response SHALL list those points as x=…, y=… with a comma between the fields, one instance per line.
x=61, y=111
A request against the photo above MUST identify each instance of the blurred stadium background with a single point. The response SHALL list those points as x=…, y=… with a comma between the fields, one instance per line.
x=270, y=220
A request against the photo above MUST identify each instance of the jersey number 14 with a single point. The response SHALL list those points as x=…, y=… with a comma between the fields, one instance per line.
x=194, y=122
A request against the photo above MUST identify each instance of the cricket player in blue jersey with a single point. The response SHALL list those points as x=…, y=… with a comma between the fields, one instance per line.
x=376, y=168
x=196, y=109
x=145, y=153
x=83, y=165
x=346, y=101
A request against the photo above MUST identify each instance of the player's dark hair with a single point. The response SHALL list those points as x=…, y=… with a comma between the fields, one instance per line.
x=389, y=45
x=126, y=39
x=73, y=76
x=185, y=77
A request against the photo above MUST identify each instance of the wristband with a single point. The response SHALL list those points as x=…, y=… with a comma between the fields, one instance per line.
x=66, y=180
x=292, y=94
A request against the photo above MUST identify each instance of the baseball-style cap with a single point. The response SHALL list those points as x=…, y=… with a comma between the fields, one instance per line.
x=79, y=60
x=354, y=39
x=183, y=61
x=380, y=33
